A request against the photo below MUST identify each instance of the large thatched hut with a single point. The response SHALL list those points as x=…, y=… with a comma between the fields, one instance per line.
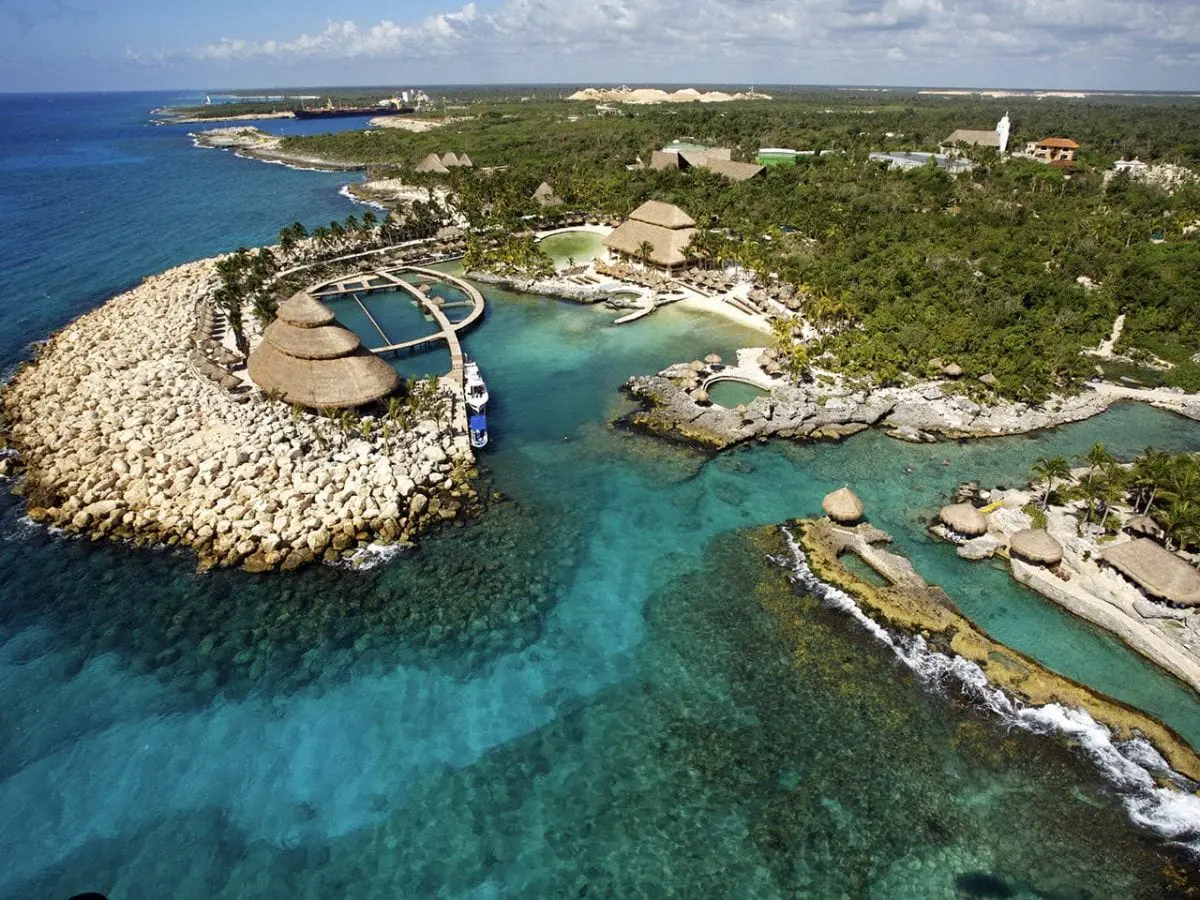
x=843, y=506
x=964, y=519
x=1035, y=545
x=306, y=358
x=1158, y=572
x=660, y=229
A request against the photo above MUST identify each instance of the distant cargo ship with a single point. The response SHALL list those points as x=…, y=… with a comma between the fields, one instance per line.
x=336, y=112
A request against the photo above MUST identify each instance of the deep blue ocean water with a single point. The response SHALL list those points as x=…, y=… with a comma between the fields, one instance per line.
x=581, y=695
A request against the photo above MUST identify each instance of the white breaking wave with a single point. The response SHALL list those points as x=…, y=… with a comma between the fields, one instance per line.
x=1129, y=766
x=349, y=195
x=369, y=556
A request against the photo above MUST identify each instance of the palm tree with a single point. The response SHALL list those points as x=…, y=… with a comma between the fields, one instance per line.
x=1151, y=472
x=1098, y=459
x=1050, y=469
x=645, y=248
x=1112, y=490
x=1091, y=489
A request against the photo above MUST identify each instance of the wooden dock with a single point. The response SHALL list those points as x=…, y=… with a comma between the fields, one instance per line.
x=447, y=330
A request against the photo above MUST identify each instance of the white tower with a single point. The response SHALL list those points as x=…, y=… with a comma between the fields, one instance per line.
x=1002, y=132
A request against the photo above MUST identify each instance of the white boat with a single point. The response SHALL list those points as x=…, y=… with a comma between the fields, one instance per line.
x=475, y=391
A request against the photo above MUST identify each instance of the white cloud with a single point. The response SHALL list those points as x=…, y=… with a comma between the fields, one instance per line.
x=654, y=37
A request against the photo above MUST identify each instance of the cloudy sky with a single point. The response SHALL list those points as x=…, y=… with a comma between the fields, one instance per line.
x=138, y=44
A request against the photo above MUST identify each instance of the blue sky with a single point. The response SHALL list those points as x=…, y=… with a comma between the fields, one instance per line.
x=135, y=44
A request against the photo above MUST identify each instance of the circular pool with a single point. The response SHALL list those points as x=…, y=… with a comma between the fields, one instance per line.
x=730, y=393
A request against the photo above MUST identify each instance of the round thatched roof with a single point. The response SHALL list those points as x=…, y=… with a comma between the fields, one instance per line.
x=1036, y=546
x=307, y=359
x=712, y=359
x=843, y=506
x=954, y=370
x=348, y=381
x=304, y=310
x=964, y=519
x=322, y=342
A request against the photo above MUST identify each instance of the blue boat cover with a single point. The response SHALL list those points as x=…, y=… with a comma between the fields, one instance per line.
x=479, y=423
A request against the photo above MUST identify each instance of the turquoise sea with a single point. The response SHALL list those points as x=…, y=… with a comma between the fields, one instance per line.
x=585, y=694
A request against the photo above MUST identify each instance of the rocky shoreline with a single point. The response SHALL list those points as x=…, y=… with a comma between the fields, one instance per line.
x=120, y=438
x=913, y=607
x=252, y=143
x=559, y=288
x=675, y=405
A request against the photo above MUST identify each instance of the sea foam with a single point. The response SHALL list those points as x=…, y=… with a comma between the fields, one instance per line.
x=1129, y=766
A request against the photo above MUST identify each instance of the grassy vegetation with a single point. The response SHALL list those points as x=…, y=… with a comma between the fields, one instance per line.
x=899, y=267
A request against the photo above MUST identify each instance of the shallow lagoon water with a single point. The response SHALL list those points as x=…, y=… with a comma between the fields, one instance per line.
x=730, y=393
x=601, y=688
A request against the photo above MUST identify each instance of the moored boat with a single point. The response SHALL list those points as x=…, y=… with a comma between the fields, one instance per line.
x=475, y=391
x=477, y=427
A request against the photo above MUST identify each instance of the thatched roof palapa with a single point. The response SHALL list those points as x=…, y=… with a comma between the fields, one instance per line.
x=545, y=195
x=1144, y=525
x=1036, y=546
x=964, y=519
x=977, y=138
x=464, y=161
x=843, y=506
x=431, y=163
x=304, y=310
x=308, y=359
x=449, y=160
x=666, y=228
x=1158, y=572
x=319, y=342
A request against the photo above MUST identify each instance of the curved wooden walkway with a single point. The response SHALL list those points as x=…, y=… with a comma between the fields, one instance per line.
x=447, y=330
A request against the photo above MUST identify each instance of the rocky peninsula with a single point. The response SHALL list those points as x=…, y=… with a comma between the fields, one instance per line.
x=123, y=434
x=675, y=405
x=925, y=612
x=252, y=143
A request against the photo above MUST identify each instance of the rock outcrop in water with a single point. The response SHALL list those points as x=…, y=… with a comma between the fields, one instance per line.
x=122, y=439
x=675, y=405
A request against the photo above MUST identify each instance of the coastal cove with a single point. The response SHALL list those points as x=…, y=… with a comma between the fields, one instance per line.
x=601, y=684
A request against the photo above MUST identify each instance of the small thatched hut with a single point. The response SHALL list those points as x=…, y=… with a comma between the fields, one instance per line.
x=431, y=163
x=449, y=160
x=954, y=370
x=464, y=161
x=963, y=519
x=307, y=358
x=1036, y=546
x=545, y=196
x=1158, y=572
x=1145, y=526
x=843, y=506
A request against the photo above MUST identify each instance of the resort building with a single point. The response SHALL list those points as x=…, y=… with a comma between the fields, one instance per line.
x=970, y=138
x=1052, y=150
x=997, y=138
x=915, y=160
x=306, y=358
x=776, y=156
x=655, y=233
x=682, y=156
